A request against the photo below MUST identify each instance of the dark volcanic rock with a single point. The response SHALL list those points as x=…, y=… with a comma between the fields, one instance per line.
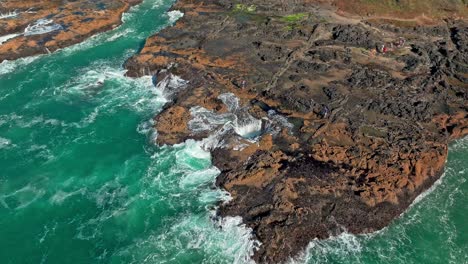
x=71, y=21
x=354, y=35
x=350, y=137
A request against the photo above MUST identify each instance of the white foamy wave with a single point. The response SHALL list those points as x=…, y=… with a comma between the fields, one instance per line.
x=118, y=35
x=216, y=139
x=174, y=16
x=112, y=193
x=9, y=66
x=95, y=76
x=5, y=143
x=133, y=10
x=89, y=119
x=41, y=152
x=190, y=176
x=342, y=246
x=9, y=14
x=249, y=128
x=460, y=144
x=230, y=100
x=198, y=178
x=5, y=38
x=280, y=120
x=192, y=150
x=427, y=192
x=42, y=26
x=206, y=120
x=245, y=125
x=110, y=88
x=237, y=120
x=157, y=4
x=213, y=196
x=223, y=241
x=170, y=85
x=28, y=121
x=244, y=249
x=146, y=127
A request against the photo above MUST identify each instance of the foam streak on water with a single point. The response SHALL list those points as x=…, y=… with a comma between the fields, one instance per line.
x=430, y=231
x=9, y=14
x=81, y=179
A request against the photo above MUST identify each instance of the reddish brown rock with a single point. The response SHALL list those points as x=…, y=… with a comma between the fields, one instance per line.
x=77, y=20
x=173, y=125
x=367, y=132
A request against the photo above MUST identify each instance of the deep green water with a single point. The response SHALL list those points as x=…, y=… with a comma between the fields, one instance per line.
x=81, y=182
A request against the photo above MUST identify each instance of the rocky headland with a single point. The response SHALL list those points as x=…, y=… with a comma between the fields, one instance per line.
x=322, y=117
x=30, y=28
x=321, y=120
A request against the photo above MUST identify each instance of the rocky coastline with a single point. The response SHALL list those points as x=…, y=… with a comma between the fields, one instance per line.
x=30, y=28
x=315, y=128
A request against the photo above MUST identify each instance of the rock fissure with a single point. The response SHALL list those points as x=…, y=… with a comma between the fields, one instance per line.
x=359, y=133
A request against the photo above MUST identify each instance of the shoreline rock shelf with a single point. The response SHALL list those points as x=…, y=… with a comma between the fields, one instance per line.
x=30, y=28
x=389, y=117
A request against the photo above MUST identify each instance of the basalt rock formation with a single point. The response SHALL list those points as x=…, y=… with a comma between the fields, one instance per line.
x=36, y=27
x=315, y=132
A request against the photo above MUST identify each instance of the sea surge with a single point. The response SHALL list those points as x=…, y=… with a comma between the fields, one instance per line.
x=83, y=181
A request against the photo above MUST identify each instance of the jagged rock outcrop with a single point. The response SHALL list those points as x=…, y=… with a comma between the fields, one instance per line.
x=350, y=136
x=36, y=27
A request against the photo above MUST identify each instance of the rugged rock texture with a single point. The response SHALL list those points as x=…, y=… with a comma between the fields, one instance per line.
x=364, y=134
x=77, y=20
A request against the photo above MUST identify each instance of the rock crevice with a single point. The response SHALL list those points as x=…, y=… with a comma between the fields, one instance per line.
x=358, y=134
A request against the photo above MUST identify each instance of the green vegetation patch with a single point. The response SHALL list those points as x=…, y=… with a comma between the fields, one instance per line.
x=245, y=13
x=293, y=20
x=242, y=8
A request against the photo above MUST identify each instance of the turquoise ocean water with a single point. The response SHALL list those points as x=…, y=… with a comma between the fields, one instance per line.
x=82, y=182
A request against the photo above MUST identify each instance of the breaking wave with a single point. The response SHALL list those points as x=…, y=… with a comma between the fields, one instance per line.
x=231, y=101
x=5, y=38
x=220, y=125
x=78, y=164
x=5, y=143
x=9, y=66
x=248, y=127
x=9, y=14
x=432, y=214
x=174, y=16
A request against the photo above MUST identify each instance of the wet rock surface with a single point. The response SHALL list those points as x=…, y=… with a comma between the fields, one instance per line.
x=36, y=27
x=332, y=136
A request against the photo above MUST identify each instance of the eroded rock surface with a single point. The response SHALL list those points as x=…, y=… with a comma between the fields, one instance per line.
x=35, y=27
x=349, y=136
